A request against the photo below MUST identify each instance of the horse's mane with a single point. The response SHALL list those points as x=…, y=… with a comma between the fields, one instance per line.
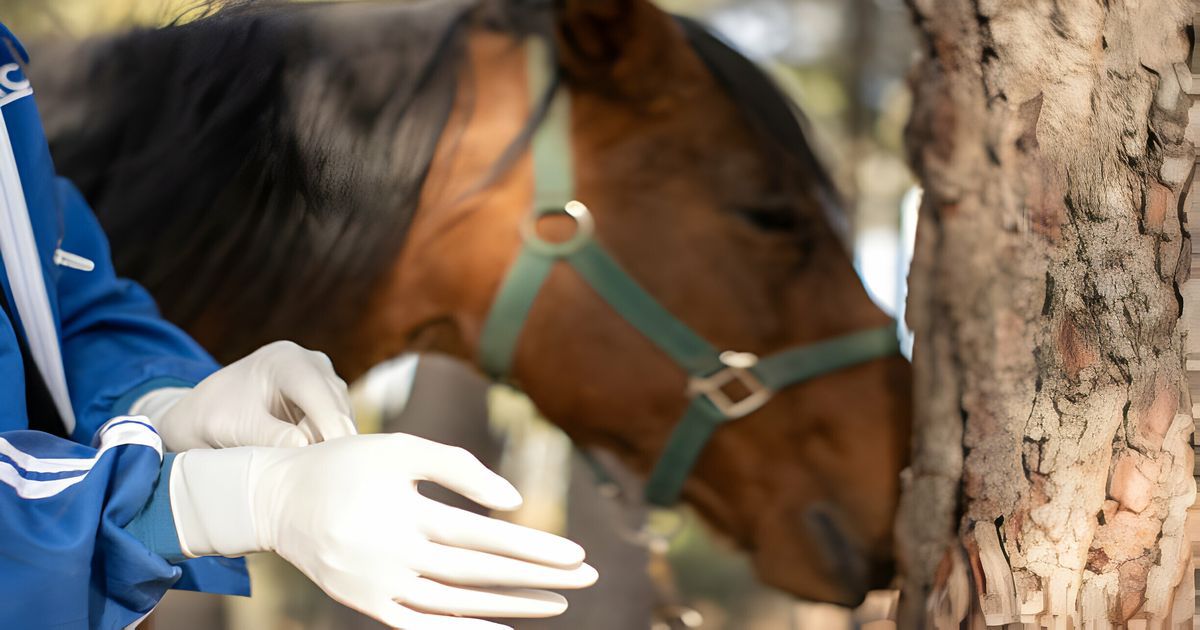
x=268, y=159
x=254, y=159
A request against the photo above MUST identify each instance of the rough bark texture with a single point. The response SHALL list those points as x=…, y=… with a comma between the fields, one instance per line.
x=1052, y=468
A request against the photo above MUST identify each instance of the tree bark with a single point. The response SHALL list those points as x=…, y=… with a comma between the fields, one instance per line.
x=1052, y=468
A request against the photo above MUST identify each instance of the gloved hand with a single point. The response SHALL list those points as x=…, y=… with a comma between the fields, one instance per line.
x=347, y=513
x=280, y=395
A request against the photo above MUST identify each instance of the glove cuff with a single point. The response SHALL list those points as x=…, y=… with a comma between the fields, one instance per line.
x=211, y=499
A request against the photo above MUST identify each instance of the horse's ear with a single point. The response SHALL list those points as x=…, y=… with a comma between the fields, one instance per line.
x=621, y=45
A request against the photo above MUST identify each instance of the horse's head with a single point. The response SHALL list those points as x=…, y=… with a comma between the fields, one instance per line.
x=260, y=170
x=701, y=186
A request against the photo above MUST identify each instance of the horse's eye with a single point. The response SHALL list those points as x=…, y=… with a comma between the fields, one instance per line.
x=769, y=218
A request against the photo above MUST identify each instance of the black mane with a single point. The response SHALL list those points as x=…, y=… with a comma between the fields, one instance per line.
x=259, y=144
x=273, y=153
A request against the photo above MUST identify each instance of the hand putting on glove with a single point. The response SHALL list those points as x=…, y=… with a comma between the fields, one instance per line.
x=280, y=395
x=347, y=513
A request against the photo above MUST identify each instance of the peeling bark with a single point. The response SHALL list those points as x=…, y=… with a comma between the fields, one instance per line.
x=1052, y=404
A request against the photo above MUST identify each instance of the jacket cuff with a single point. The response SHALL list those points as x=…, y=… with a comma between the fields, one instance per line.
x=154, y=525
x=125, y=404
x=127, y=384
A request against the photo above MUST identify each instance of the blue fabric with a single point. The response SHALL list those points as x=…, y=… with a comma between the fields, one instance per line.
x=154, y=526
x=66, y=560
x=8, y=37
x=69, y=558
x=102, y=317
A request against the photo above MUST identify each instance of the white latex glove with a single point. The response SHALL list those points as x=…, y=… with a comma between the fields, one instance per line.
x=280, y=395
x=347, y=513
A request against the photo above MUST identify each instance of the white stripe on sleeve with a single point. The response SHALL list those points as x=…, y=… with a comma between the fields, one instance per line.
x=120, y=431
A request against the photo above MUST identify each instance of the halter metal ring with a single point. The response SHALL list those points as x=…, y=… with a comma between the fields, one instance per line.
x=584, y=228
x=737, y=368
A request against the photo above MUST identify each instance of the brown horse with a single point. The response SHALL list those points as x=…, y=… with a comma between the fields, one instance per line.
x=352, y=176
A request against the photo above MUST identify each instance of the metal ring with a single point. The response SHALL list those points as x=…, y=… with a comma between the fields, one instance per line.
x=584, y=228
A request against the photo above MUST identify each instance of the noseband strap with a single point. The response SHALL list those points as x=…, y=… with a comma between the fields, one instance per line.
x=709, y=370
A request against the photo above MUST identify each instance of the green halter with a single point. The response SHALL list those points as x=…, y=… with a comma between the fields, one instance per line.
x=708, y=369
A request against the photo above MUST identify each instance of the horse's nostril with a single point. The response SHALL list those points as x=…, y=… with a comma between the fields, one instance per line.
x=846, y=561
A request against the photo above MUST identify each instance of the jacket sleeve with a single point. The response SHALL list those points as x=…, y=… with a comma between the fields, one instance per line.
x=116, y=348
x=67, y=558
x=104, y=317
x=112, y=340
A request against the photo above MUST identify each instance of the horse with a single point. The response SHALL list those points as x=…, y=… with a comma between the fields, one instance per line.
x=359, y=177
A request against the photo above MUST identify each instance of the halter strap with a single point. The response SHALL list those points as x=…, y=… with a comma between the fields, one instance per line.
x=708, y=369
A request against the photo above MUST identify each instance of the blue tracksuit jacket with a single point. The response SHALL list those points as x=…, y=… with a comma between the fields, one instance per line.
x=86, y=537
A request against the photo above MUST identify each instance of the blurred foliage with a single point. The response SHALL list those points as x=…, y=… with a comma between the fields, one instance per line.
x=81, y=17
x=844, y=61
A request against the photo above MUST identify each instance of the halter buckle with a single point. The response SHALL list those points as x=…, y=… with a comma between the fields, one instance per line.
x=737, y=369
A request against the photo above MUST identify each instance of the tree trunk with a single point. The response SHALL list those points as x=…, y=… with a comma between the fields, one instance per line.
x=1052, y=467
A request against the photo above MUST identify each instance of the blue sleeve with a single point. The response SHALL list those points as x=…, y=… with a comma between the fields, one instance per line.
x=66, y=557
x=103, y=317
x=114, y=347
x=113, y=342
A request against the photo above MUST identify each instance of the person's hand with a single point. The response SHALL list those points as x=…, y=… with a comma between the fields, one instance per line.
x=280, y=395
x=347, y=513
